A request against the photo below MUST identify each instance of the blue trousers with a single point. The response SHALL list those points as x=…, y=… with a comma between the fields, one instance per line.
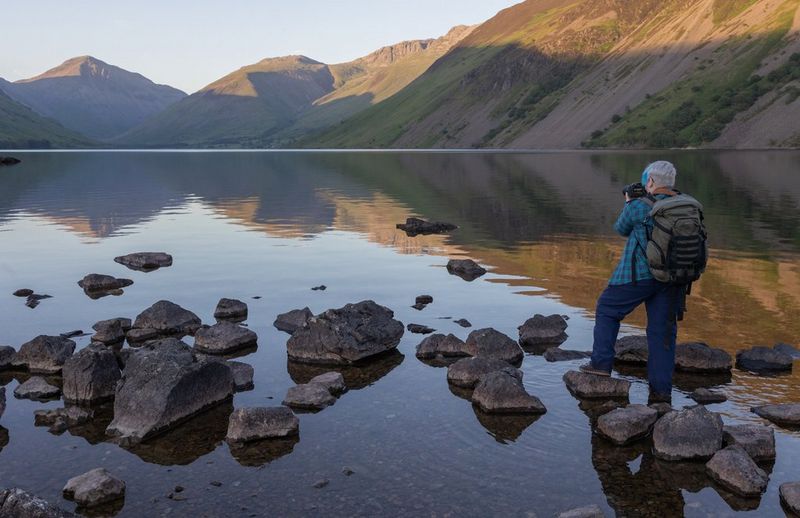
x=617, y=302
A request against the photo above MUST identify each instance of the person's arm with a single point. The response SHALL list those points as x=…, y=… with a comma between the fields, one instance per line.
x=628, y=218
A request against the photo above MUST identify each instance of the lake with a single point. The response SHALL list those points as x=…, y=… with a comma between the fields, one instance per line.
x=275, y=224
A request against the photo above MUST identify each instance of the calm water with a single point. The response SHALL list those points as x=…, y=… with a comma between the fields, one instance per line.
x=273, y=225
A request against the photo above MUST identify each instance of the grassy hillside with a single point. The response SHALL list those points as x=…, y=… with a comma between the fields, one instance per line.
x=22, y=128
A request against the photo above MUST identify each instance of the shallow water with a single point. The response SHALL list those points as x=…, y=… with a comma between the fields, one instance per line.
x=272, y=225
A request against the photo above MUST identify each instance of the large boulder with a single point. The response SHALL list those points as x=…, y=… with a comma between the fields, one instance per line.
x=231, y=309
x=790, y=496
x=163, y=385
x=625, y=425
x=309, y=396
x=224, y=338
x=500, y=392
x=555, y=354
x=346, y=335
x=467, y=269
x=761, y=358
x=632, y=350
x=145, y=261
x=756, y=439
x=168, y=318
x=734, y=470
x=91, y=375
x=255, y=424
x=699, y=357
x=787, y=414
x=415, y=226
x=98, y=282
x=541, y=330
x=690, y=434
x=591, y=386
x=7, y=354
x=94, y=488
x=441, y=345
x=111, y=331
x=36, y=388
x=293, y=320
x=16, y=503
x=44, y=354
x=468, y=371
x=490, y=343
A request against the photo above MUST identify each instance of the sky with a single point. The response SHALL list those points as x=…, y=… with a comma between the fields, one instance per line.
x=188, y=44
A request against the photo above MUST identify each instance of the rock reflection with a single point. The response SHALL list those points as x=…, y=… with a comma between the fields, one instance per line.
x=355, y=376
x=685, y=381
x=259, y=453
x=3, y=438
x=505, y=428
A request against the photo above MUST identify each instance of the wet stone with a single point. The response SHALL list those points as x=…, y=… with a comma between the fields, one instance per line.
x=424, y=299
x=36, y=388
x=467, y=372
x=168, y=318
x=224, y=338
x=441, y=345
x=145, y=261
x=734, y=470
x=554, y=354
x=293, y=320
x=700, y=358
x=7, y=354
x=761, y=358
x=757, y=440
x=98, y=282
x=16, y=503
x=309, y=396
x=632, y=350
x=420, y=329
x=91, y=375
x=500, y=392
x=242, y=375
x=707, y=397
x=583, y=385
x=490, y=343
x=231, y=309
x=689, y=434
x=790, y=496
x=591, y=511
x=787, y=414
x=23, y=292
x=94, y=488
x=44, y=354
x=625, y=425
x=332, y=381
x=255, y=424
x=543, y=330
x=109, y=331
x=467, y=269
x=463, y=322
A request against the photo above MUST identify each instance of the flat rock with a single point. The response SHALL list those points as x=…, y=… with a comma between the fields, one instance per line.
x=787, y=414
x=23, y=292
x=500, y=392
x=99, y=282
x=36, y=388
x=293, y=320
x=756, y=439
x=463, y=322
x=690, y=434
x=441, y=345
x=632, y=350
x=164, y=385
x=590, y=386
x=44, y=354
x=242, y=375
x=761, y=358
x=467, y=269
x=16, y=503
x=415, y=226
x=490, y=343
x=110, y=331
x=590, y=511
x=168, y=318
x=255, y=424
x=625, y=425
x=332, y=381
x=700, y=358
x=145, y=261
x=791, y=350
x=309, y=396
x=224, y=338
x=231, y=309
x=346, y=335
x=7, y=354
x=93, y=488
x=467, y=372
x=707, y=397
x=734, y=470
x=790, y=496
x=543, y=330
x=420, y=329
x=554, y=354
x=91, y=375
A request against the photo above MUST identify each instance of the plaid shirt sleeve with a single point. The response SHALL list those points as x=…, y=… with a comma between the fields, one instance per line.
x=631, y=224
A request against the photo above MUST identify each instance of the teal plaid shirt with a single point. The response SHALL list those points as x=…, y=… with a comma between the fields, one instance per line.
x=634, y=224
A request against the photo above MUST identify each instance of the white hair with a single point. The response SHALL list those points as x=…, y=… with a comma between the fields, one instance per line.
x=663, y=173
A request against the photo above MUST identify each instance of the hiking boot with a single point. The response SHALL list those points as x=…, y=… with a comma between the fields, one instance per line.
x=656, y=397
x=588, y=368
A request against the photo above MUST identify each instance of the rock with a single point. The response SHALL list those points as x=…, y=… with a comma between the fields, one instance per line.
x=415, y=226
x=309, y=396
x=319, y=288
x=734, y=470
x=662, y=408
x=110, y=331
x=441, y=345
x=36, y=388
x=463, y=322
x=500, y=392
x=70, y=416
x=346, y=335
x=332, y=381
x=632, y=350
x=699, y=357
x=164, y=385
x=590, y=386
x=91, y=375
x=224, y=338
x=757, y=440
x=319, y=484
x=72, y=334
x=231, y=309
x=489, y=343
x=242, y=375
x=542, y=330
x=782, y=414
x=94, y=488
x=690, y=434
x=2, y=400
x=138, y=336
x=424, y=299
x=346, y=471
x=790, y=350
x=33, y=300
x=145, y=261
x=790, y=496
x=168, y=318
x=293, y=320
x=554, y=354
x=761, y=358
x=707, y=397
x=467, y=269
x=420, y=329
x=9, y=160
x=44, y=354
x=625, y=425
x=468, y=371
x=7, y=354
x=16, y=503
x=419, y=307
x=254, y=424
x=590, y=511
x=98, y=282
x=24, y=292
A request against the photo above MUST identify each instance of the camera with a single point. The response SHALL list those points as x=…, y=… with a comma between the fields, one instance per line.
x=634, y=190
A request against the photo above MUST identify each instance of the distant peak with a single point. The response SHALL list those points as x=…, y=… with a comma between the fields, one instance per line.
x=86, y=66
x=292, y=59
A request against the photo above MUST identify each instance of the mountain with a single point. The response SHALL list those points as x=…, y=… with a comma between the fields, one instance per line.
x=602, y=73
x=92, y=97
x=274, y=101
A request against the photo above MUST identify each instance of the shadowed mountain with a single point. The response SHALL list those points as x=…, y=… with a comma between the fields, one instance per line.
x=94, y=98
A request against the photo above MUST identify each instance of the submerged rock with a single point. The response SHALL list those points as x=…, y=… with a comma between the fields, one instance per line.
x=468, y=371
x=699, y=357
x=541, y=330
x=761, y=358
x=420, y=329
x=467, y=269
x=790, y=496
x=164, y=385
x=441, y=345
x=7, y=354
x=415, y=226
x=332, y=381
x=255, y=424
x=632, y=350
x=242, y=375
x=36, y=388
x=97, y=282
x=690, y=434
x=590, y=511
x=145, y=261
x=309, y=396
x=590, y=386
x=110, y=331
x=69, y=416
x=734, y=470
x=293, y=320
x=44, y=354
x=23, y=292
x=16, y=503
x=94, y=488
x=463, y=322
x=346, y=335
x=501, y=392
x=224, y=338
x=625, y=425
x=490, y=343
x=787, y=414
x=91, y=375
x=554, y=354
x=706, y=397
x=757, y=440
x=231, y=309
x=168, y=318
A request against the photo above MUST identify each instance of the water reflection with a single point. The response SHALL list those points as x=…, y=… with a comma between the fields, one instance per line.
x=259, y=453
x=356, y=377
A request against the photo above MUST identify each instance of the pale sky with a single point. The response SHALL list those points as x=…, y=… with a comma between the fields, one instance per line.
x=190, y=43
